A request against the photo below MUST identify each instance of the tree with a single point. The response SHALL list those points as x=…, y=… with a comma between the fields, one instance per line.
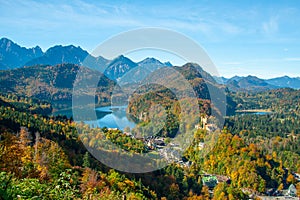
x=223, y=191
x=298, y=189
x=174, y=192
x=205, y=193
x=11, y=155
x=290, y=179
x=51, y=160
x=86, y=160
x=89, y=182
x=280, y=187
x=24, y=145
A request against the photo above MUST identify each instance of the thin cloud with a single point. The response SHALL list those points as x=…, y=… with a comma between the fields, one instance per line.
x=292, y=59
x=64, y=15
x=271, y=26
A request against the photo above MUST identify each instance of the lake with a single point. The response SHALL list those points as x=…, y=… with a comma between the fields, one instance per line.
x=254, y=112
x=107, y=116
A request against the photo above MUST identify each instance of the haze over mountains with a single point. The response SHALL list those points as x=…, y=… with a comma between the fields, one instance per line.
x=253, y=83
x=14, y=56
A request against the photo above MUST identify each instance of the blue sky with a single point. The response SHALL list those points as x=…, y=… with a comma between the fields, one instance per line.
x=241, y=37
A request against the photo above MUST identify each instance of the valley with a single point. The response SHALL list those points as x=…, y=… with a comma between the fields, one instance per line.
x=232, y=138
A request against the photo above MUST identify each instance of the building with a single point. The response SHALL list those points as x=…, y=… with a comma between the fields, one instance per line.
x=211, y=127
x=210, y=181
x=292, y=191
x=204, y=121
x=205, y=125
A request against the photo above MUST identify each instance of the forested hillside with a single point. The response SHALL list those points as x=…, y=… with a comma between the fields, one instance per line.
x=51, y=83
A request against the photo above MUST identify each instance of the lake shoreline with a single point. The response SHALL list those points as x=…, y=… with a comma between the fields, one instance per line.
x=254, y=111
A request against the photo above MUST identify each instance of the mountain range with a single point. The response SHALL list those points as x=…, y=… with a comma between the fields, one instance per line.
x=253, y=83
x=285, y=81
x=14, y=56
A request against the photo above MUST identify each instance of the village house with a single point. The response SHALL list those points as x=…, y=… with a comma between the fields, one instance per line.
x=292, y=191
x=205, y=125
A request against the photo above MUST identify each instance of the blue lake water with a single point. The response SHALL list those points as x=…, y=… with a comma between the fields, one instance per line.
x=254, y=113
x=107, y=116
x=262, y=113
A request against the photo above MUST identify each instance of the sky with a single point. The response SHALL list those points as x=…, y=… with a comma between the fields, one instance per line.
x=242, y=38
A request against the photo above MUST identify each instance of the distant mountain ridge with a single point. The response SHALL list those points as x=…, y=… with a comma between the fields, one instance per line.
x=60, y=54
x=118, y=67
x=142, y=70
x=285, y=81
x=13, y=55
x=252, y=83
x=249, y=83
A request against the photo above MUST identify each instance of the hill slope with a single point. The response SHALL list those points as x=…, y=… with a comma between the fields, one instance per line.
x=50, y=83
